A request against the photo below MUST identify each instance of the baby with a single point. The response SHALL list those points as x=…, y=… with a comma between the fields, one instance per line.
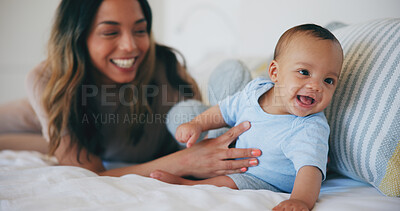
x=286, y=116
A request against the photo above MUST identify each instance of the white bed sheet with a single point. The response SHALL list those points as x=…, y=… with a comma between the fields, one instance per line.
x=31, y=181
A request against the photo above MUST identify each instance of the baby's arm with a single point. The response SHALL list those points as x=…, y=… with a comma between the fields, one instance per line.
x=209, y=119
x=305, y=190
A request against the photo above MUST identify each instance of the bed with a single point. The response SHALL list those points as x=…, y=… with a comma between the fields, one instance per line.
x=31, y=181
x=364, y=150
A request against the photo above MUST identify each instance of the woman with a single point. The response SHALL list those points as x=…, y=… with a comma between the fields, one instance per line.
x=104, y=91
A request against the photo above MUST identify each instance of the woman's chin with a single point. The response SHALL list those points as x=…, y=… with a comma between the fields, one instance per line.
x=123, y=79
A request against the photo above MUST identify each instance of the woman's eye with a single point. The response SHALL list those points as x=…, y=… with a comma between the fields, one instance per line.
x=140, y=32
x=110, y=33
x=304, y=72
x=329, y=81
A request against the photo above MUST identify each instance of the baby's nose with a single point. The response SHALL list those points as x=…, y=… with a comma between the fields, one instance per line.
x=315, y=86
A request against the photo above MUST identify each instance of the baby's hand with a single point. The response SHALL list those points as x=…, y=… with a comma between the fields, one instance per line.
x=188, y=133
x=291, y=204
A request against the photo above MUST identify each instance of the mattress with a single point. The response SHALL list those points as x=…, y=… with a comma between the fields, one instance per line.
x=32, y=181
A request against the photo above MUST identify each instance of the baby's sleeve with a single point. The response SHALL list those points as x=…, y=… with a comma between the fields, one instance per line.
x=229, y=107
x=308, y=144
x=232, y=106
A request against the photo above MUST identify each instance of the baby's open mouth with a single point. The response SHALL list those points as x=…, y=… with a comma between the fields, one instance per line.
x=306, y=100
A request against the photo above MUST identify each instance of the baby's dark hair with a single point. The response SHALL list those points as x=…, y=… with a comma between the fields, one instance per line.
x=310, y=29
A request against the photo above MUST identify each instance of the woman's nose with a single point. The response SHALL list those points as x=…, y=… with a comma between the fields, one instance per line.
x=127, y=43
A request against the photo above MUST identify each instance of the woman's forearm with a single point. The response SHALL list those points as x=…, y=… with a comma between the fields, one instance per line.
x=66, y=154
x=169, y=163
x=209, y=158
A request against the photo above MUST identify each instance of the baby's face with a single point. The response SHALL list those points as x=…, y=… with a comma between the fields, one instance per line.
x=307, y=75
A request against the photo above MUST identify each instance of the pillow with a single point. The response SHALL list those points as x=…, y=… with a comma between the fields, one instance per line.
x=364, y=114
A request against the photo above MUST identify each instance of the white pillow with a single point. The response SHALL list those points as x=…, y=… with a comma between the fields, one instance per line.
x=365, y=112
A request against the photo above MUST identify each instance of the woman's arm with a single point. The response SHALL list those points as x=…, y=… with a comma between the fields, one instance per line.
x=209, y=158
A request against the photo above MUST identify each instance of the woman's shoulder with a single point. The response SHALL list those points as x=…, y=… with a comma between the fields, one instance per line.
x=37, y=77
x=36, y=81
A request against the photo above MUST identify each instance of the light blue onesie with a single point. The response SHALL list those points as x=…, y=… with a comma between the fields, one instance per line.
x=287, y=142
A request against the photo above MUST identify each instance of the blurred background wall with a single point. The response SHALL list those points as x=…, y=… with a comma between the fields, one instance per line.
x=205, y=31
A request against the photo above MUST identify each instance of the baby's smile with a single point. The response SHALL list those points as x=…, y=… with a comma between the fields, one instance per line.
x=305, y=100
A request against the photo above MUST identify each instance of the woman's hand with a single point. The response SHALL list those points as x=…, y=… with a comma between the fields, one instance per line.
x=212, y=157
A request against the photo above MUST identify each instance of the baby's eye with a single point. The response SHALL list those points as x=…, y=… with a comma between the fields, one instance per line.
x=304, y=72
x=329, y=81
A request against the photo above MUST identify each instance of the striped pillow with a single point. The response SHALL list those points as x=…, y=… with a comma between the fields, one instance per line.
x=365, y=112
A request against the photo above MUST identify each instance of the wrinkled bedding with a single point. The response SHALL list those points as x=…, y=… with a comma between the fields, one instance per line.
x=32, y=181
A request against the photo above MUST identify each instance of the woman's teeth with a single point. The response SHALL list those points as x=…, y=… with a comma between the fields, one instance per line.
x=123, y=63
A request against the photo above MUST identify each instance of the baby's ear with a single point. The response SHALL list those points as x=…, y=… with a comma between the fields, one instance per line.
x=273, y=71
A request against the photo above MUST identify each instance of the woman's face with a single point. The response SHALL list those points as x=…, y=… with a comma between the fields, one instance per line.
x=118, y=41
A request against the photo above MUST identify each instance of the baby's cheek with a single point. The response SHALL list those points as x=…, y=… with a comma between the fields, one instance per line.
x=292, y=91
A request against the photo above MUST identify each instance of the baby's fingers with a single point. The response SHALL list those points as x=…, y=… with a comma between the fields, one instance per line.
x=192, y=140
x=181, y=137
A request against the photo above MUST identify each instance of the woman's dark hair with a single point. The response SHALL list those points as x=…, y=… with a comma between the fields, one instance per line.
x=67, y=61
x=166, y=54
x=147, y=13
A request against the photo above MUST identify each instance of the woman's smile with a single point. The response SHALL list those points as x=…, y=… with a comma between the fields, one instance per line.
x=124, y=63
